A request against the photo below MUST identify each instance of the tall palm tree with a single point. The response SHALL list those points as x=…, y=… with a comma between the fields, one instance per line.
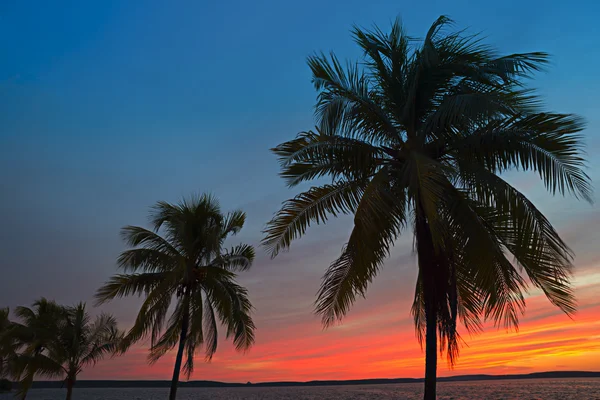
x=57, y=341
x=416, y=136
x=189, y=263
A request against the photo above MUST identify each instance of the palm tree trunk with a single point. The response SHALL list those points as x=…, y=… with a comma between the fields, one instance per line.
x=70, y=384
x=24, y=387
x=430, y=352
x=179, y=359
x=427, y=272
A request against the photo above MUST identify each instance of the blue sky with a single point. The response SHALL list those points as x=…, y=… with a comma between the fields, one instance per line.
x=109, y=106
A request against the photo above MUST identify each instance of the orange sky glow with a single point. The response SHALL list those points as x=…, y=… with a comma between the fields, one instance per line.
x=377, y=337
x=380, y=343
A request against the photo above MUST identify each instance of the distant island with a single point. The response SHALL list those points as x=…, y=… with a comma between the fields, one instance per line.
x=215, y=384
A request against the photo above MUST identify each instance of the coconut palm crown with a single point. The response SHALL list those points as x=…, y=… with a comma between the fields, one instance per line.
x=183, y=258
x=417, y=137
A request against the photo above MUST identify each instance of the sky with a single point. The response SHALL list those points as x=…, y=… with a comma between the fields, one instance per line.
x=109, y=106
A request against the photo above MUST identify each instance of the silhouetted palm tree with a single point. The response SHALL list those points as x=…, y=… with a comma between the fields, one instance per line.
x=188, y=262
x=56, y=341
x=6, y=347
x=417, y=136
x=83, y=342
x=29, y=339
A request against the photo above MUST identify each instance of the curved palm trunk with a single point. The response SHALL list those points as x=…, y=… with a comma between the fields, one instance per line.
x=25, y=385
x=70, y=384
x=179, y=359
x=427, y=272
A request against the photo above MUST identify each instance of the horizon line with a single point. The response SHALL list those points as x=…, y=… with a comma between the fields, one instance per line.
x=212, y=383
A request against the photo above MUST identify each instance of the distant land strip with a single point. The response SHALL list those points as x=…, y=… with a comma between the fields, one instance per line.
x=459, y=378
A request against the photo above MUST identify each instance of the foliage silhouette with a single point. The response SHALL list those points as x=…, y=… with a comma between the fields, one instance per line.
x=416, y=136
x=189, y=263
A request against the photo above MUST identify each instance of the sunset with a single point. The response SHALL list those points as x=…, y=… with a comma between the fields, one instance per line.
x=267, y=194
x=547, y=341
x=377, y=340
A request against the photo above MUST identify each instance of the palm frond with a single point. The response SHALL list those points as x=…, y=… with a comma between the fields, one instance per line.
x=516, y=66
x=163, y=212
x=172, y=333
x=387, y=58
x=239, y=258
x=103, y=327
x=528, y=235
x=240, y=325
x=104, y=340
x=312, y=155
x=428, y=183
x=195, y=334
x=313, y=206
x=37, y=365
x=121, y=285
x=152, y=315
x=233, y=307
x=147, y=260
x=234, y=222
x=545, y=143
x=210, y=330
x=417, y=310
x=467, y=104
x=345, y=104
x=137, y=236
x=190, y=351
x=378, y=221
x=497, y=280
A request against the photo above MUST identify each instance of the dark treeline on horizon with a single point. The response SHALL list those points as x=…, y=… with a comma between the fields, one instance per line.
x=201, y=383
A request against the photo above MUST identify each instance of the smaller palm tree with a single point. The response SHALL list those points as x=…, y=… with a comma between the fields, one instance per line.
x=6, y=348
x=188, y=263
x=83, y=342
x=27, y=341
x=59, y=342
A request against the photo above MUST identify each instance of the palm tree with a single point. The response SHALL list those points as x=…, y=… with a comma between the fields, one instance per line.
x=417, y=136
x=83, y=342
x=28, y=340
x=8, y=350
x=57, y=341
x=5, y=342
x=188, y=263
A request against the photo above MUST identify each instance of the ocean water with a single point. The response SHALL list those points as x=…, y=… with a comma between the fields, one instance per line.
x=525, y=389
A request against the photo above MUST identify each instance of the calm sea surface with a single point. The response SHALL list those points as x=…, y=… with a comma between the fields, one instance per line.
x=530, y=389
